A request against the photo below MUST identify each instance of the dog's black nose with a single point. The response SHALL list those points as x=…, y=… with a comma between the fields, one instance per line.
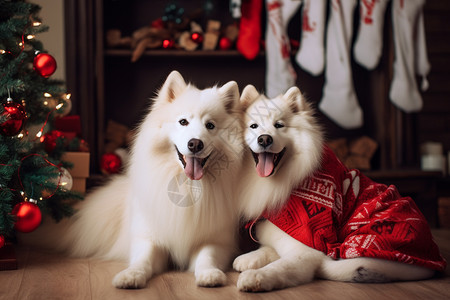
x=195, y=145
x=265, y=140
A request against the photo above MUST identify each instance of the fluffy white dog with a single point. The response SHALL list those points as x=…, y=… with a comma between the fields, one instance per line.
x=175, y=202
x=314, y=217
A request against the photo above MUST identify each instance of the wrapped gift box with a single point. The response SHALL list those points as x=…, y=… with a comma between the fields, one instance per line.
x=80, y=170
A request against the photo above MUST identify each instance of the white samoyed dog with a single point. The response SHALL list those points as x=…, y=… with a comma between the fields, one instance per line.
x=287, y=145
x=174, y=204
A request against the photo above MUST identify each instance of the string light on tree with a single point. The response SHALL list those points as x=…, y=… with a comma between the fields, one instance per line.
x=64, y=108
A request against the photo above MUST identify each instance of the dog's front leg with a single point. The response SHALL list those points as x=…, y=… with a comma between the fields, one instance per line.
x=255, y=259
x=209, y=264
x=297, y=264
x=146, y=260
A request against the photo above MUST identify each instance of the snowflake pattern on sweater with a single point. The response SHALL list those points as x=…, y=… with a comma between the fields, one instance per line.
x=345, y=214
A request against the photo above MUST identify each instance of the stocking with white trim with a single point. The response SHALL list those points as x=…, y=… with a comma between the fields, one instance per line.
x=369, y=40
x=406, y=16
x=280, y=74
x=339, y=101
x=311, y=55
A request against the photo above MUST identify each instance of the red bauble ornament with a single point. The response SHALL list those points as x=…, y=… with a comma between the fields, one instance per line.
x=15, y=118
x=168, y=44
x=2, y=241
x=28, y=216
x=111, y=163
x=50, y=138
x=44, y=64
x=197, y=37
x=225, y=43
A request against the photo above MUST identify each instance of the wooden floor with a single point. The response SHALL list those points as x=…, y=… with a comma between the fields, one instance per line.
x=47, y=276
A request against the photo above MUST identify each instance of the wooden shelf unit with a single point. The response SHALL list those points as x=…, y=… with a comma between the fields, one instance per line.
x=106, y=85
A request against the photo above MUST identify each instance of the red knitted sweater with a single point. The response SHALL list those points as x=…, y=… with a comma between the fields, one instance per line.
x=346, y=215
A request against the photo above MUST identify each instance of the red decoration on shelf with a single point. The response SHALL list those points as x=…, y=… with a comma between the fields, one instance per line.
x=2, y=241
x=225, y=43
x=158, y=23
x=16, y=117
x=28, y=216
x=110, y=163
x=197, y=37
x=168, y=43
x=44, y=64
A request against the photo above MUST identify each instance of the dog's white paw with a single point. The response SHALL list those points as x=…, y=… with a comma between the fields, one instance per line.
x=210, y=278
x=130, y=279
x=254, y=281
x=249, y=261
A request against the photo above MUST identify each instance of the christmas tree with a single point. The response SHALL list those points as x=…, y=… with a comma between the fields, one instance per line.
x=33, y=180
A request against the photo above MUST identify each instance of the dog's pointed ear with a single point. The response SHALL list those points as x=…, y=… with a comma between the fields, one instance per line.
x=172, y=87
x=229, y=94
x=249, y=94
x=295, y=99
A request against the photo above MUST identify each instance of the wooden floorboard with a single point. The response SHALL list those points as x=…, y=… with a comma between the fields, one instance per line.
x=42, y=275
x=10, y=281
x=50, y=276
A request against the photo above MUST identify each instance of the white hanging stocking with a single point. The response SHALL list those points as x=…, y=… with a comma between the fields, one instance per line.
x=339, y=101
x=369, y=40
x=280, y=74
x=406, y=18
x=310, y=56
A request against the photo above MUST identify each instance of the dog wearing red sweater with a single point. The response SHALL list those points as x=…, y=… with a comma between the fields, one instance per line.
x=314, y=217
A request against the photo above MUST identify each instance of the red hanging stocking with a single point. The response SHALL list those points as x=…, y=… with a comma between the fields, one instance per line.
x=248, y=42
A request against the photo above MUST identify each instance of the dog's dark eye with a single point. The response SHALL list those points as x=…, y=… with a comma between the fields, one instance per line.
x=210, y=126
x=183, y=122
x=278, y=125
x=254, y=126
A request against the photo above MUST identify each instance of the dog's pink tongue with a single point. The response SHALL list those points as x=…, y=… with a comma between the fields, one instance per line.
x=265, y=164
x=193, y=169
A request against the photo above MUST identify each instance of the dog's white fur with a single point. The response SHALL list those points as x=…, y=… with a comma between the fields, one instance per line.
x=137, y=216
x=282, y=261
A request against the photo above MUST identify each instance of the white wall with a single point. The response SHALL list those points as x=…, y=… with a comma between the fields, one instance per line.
x=52, y=15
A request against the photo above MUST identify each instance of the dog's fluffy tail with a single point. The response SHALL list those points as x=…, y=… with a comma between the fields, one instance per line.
x=95, y=230
x=363, y=269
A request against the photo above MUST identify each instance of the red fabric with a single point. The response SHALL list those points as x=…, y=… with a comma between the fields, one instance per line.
x=346, y=215
x=248, y=42
x=68, y=124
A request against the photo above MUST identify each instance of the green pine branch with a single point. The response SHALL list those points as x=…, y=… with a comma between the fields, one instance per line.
x=21, y=172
